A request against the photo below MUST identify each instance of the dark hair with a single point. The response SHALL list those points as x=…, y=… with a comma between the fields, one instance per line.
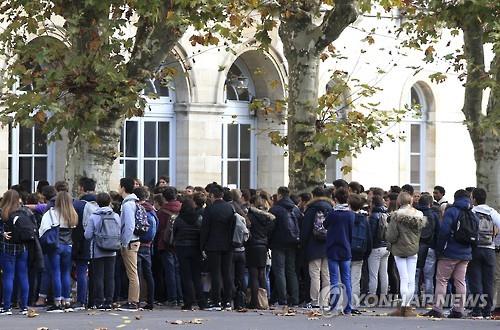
x=32, y=199
x=377, y=201
x=355, y=187
x=319, y=192
x=461, y=193
x=61, y=186
x=127, y=184
x=216, y=190
x=377, y=191
x=479, y=194
x=470, y=189
x=170, y=194
x=284, y=191
x=246, y=195
x=295, y=199
x=103, y=199
x=305, y=197
x=340, y=183
x=41, y=184
x=395, y=189
x=158, y=198
x=356, y=202
x=341, y=195
x=408, y=188
x=199, y=198
x=227, y=194
x=425, y=200
x=164, y=178
x=49, y=192
x=87, y=184
x=440, y=189
x=142, y=193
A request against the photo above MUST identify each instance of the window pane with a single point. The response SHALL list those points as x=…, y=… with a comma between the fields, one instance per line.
x=40, y=141
x=150, y=173
x=164, y=139
x=25, y=171
x=163, y=168
x=40, y=168
x=415, y=138
x=131, y=133
x=131, y=168
x=415, y=169
x=150, y=139
x=231, y=93
x=25, y=140
x=232, y=173
x=244, y=175
x=331, y=169
x=244, y=141
x=161, y=89
x=415, y=99
x=232, y=141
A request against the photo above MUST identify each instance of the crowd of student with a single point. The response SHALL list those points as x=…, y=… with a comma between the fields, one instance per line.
x=221, y=249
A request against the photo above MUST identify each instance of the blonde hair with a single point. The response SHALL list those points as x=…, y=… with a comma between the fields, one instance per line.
x=404, y=198
x=64, y=205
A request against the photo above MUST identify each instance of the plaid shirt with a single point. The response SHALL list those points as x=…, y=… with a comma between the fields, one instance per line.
x=11, y=248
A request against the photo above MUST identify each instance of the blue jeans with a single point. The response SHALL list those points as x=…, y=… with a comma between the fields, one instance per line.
x=45, y=277
x=15, y=266
x=172, y=276
x=60, y=266
x=82, y=267
x=345, y=276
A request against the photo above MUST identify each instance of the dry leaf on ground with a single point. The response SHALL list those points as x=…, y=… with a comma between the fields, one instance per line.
x=32, y=313
x=138, y=317
x=177, y=322
x=313, y=318
x=42, y=328
x=196, y=321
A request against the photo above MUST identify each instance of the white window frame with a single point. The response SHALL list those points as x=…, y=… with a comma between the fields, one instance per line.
x=422, y=123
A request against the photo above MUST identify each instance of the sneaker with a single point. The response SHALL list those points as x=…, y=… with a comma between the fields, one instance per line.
x=6, y=311
x=148, y=307
x=68, y=308
x=104, y=307
x=487, y=316
x=227, y=307
x=433, y=314
x=55, y=309
x=456, y=315
x=129, y=307
x=355, y=312
x=78, y=306
x=214, y=307
x=23, y=311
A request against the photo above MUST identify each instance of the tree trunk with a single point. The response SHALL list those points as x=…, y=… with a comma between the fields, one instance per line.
x=486, y=153
x=94, y=160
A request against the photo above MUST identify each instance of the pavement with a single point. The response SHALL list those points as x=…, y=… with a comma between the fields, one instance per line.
x=251, y=320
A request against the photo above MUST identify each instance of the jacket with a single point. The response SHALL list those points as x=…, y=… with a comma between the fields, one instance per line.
x=447, y=247
x=314, y=248
x=217, y=227
x=164, y=226
x=432, y=216
x=187, y=228
x=282, y=211
x=52, y=218
x=81, y=246
x=92, y=227
x=404, y=231
x=127, y=217
x=374, y=222
x=261, y=227
x=339, y=223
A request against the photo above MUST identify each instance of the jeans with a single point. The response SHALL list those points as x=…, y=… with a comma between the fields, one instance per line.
x=447, y=268
x=497, y=279
x=480, y=275
x=190, y=271
x=129, y=257
x=60, y=266
x=45, y=277
x=429, y=271
x=103, y=275
x=320, y=278
x=172, y=278
x=82, y=267
x=15, y=266
x=239, y=267
x=220, y=267
x=344, y=267
x=144, y=267
x=285, y=276
x=356, y=268
x=406, y=268
x=377, y=268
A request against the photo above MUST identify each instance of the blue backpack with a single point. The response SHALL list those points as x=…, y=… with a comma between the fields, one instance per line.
x=359, y=242
x=150, y=234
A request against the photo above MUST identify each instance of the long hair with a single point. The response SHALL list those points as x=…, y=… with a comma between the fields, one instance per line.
x=64, y=205
x=9, y=203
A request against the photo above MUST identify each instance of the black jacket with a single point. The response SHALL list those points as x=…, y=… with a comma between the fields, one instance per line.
x=261, y=226
x=282, y=210
x=313, y=248
x=432, y=216
x=217, y=227
x=374, y=219
x=187, y=229
x=81, y=246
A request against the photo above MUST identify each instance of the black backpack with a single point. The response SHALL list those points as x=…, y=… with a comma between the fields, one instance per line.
x=359, y=241
x=291, y=226
x=427, y=234
x=25, y=226
x=466, y=229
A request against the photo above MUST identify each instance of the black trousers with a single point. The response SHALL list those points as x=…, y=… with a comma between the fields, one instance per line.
x=220, y=267
x=481, y=277
x=103, y=280
x=239, y=266
x=190, y=268
x=144, y=268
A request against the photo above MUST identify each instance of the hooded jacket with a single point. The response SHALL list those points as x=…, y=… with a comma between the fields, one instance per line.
x=374, y=222
x=187, y=228
x=127, y=217
x=313, y=247
x=92, y=228
x=282, y=211
x=447, y=247
x=261, y=227
x=404, y=231
x=164, y=227
x=339, y=223
x=217, y=227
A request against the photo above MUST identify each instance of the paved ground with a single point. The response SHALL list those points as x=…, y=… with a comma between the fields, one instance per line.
x=162, y=319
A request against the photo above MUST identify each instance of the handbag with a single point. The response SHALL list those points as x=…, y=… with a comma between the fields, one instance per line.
x=50, y=239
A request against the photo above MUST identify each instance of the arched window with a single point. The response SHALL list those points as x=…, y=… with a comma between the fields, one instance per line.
x=417, y=138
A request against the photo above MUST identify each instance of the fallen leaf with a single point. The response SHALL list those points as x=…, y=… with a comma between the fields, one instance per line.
x=177, y=322
x=42, y=328
x=313, y=314
x=326, y=325
x=242, y=310
x=32, y=313
x=121, y=325
x=138, y=317
x=101, y=328
x=436, y=319
x=196, y=321
x=289, y=314
x=313, y=318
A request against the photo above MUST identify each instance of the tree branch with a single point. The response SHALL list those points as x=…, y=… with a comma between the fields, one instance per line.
x=335, y=21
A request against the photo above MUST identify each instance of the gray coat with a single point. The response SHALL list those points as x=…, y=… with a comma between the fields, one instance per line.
x=91, y=228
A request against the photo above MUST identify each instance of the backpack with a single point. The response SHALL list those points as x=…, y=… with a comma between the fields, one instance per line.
x=359, y=242
x=141, y=220
x=25, y=225
x=151, y=233
x=486, y=229
x=107, y=237
x=466, y=229
x=319, y=231
x=241, y=233
x=383, y=223
x=427, y=234
x=291, y=227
